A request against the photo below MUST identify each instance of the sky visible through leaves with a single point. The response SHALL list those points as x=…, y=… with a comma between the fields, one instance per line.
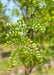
x=9, y=7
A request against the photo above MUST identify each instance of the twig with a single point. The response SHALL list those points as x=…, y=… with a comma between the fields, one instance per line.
x=4, y=24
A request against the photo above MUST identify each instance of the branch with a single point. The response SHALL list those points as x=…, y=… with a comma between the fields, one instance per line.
x=4, y=24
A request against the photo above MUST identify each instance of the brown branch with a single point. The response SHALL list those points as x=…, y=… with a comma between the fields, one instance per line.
x=4, y=24
x=28, y=70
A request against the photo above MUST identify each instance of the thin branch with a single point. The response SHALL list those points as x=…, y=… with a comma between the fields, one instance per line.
x=4, y=24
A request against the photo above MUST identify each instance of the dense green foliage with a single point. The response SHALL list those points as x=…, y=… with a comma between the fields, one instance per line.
x=31, y=31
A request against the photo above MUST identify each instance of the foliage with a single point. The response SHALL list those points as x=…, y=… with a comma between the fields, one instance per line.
x=30, y=32
x=6, y=19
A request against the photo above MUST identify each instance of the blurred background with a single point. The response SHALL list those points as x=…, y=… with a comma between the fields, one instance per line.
x=11, y=13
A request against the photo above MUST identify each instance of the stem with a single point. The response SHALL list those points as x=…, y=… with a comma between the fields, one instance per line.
x=29, y=68
x=4, y=24
x=26, y=70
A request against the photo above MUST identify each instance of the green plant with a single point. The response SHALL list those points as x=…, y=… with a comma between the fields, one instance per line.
x=30, y=32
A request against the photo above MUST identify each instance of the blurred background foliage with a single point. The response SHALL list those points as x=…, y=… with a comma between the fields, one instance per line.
x=6, y=19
